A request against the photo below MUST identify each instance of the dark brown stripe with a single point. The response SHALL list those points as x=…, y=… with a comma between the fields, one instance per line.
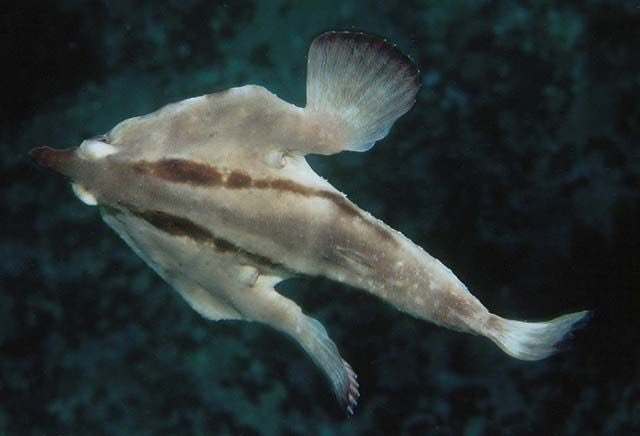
x=291, y=186
x=178, y=226
x=238, y=179
x=339, y=200
x=195, y=173
x=181, y=171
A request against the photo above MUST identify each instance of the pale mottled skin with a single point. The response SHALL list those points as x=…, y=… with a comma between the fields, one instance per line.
x=306, y=228
x=215, y=194
x=307, y=233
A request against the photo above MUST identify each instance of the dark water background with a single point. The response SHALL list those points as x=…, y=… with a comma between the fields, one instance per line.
x=518, y=168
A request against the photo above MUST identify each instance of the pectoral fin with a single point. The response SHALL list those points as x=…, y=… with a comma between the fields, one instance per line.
x=203, y=301
x=156, y=249
x=263, y=304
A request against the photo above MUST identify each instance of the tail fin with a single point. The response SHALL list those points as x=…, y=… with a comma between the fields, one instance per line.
x=534, y=340
x=363, y=82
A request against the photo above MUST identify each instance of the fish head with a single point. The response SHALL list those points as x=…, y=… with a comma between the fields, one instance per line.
x=76, y=163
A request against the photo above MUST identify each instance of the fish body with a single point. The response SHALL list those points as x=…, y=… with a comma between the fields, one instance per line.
x=215, y=194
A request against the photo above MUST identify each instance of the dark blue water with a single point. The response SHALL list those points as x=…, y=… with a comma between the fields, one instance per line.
x=517, y=167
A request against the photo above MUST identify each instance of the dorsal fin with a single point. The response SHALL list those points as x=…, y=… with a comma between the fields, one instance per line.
x=357, y=86
x=360, y=82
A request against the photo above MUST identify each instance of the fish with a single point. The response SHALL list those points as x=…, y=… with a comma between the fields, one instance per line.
x=214, y=193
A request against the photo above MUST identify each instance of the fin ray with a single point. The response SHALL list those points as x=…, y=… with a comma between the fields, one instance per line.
x=534, y=340
x=264, y=304
x=362, y=83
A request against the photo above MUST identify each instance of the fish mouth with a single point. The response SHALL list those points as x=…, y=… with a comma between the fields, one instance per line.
x=56, y=160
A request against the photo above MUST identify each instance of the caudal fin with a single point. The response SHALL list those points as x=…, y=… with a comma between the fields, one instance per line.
x=361, y=82
x=534, y=340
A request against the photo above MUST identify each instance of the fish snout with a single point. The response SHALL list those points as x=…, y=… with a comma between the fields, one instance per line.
x=56, y=160
x=70, y=163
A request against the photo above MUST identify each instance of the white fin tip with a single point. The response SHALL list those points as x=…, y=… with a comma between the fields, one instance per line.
x=92, y=149
x=85, y=196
